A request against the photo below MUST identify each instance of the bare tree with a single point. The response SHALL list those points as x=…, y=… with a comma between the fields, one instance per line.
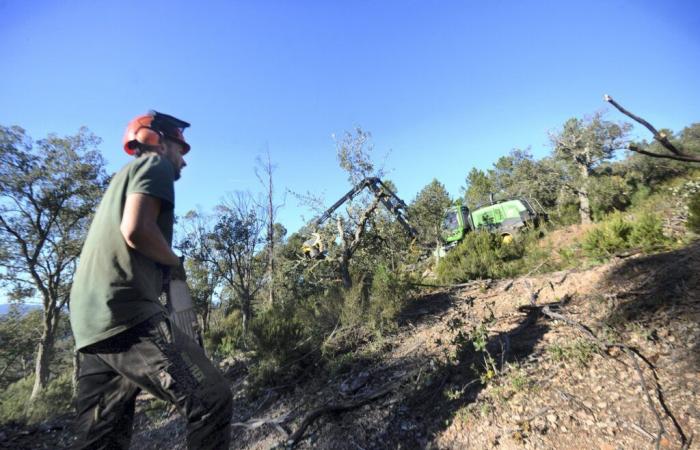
x=47, y=195
x=264, y=171
x=661, y=137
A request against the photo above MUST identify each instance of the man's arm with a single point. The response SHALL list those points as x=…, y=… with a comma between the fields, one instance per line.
x=140, y=229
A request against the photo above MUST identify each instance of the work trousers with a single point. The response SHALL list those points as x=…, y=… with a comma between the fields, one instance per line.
x=158, y=358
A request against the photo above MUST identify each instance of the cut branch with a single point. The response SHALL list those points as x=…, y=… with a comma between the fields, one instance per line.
x=335, y=408
x=677, y=154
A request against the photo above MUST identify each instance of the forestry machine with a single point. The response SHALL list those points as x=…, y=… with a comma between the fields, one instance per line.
x=314, y=247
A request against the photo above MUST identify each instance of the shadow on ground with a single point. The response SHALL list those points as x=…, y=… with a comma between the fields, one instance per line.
x=429, y=409
x=661, y=289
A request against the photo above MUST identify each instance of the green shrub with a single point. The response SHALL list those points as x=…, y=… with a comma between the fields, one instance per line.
x=280, y=343
x=608, y=237
x=617, y=234
x=565, y=214
x=225, y=336
x=55, y=400
x=694, y=214
x=388, y=296
x=647, y=232
x=479, y=255
x=355, y=303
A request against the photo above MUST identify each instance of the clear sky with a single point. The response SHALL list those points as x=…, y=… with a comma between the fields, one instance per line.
x=444, y=86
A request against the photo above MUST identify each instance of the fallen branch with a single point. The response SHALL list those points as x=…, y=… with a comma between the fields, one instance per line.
x=634, y=355
x=276, y=422
x=335, y=408
x=676, y=153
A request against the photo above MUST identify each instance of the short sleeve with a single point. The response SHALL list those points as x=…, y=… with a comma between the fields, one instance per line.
x=154, y=176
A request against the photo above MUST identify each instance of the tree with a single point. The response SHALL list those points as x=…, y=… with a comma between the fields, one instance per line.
x=265, y=178
x=202, y=274
x=427, y=211
x=478, y=189
x=233, y=248
x=48, y=192
x=354, y=153
x=581, y=146
x=19, y=333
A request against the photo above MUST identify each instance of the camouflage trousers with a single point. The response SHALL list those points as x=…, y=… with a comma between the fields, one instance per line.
x=158, y=358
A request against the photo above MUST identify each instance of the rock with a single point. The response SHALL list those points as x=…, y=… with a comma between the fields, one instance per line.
x=552, y=418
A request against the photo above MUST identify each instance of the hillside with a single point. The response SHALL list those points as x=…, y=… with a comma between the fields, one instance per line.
x=548, y=383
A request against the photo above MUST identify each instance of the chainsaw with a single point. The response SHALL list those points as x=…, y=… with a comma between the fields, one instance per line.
x=179, y=303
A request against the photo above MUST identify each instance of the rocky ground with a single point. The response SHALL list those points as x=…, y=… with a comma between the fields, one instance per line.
x=599, y=358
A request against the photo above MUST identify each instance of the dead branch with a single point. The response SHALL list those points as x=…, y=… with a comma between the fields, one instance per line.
x=276, y=422
x=335, y=408
x=635, y=356
x=677, y=154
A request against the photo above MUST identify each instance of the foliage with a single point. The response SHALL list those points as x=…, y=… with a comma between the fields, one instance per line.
x=355, y=155
x=48, y=193
x=694, y=214
x=230, y=250
x=608, y=237
x=580, y=351
x=54, y=400
x=427, y=210
x=388, y=296
x=280, y=344
x=19, y=334
x=608, y=193
x=480, y=255
x=618, y=233
x=516, y=175
x=581, y=146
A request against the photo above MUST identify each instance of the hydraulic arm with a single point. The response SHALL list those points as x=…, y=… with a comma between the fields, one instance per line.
x=314, y=248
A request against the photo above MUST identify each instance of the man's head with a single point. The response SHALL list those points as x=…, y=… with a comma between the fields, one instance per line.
x=159, y=133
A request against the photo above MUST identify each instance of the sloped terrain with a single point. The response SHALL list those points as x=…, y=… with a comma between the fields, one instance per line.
x=540, y=383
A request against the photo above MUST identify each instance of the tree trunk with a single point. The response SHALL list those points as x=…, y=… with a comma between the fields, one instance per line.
x=76, y=372
x=344, y=268
x=584, y=207
x=246, y=314
x=44, y=354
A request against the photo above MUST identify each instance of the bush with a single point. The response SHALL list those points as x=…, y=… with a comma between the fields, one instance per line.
x=694, y=214
x=617, y=234
x=388, y=296
x=225, y=335
x=647, y=232
x=280, y=343
x=479, y=255
x=55, y=400
x=608, y=238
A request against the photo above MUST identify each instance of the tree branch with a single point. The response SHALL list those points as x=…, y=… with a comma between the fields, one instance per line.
x=677, y=154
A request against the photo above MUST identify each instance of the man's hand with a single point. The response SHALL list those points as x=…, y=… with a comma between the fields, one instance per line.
x=140, y=229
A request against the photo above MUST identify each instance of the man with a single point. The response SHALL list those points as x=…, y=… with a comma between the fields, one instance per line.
x=120, y=327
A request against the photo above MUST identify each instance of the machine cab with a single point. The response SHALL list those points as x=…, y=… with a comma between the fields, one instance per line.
x=455, y=223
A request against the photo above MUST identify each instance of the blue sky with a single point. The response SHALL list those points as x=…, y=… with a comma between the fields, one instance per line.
x=444, y=86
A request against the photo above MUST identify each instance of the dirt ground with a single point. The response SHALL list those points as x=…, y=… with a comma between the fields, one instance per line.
x=618, y=369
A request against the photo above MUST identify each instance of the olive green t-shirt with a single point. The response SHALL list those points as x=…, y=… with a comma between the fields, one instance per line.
x=115, y=287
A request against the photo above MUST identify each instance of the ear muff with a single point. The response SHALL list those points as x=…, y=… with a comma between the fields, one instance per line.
x=149, y=129
x=139, y=132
